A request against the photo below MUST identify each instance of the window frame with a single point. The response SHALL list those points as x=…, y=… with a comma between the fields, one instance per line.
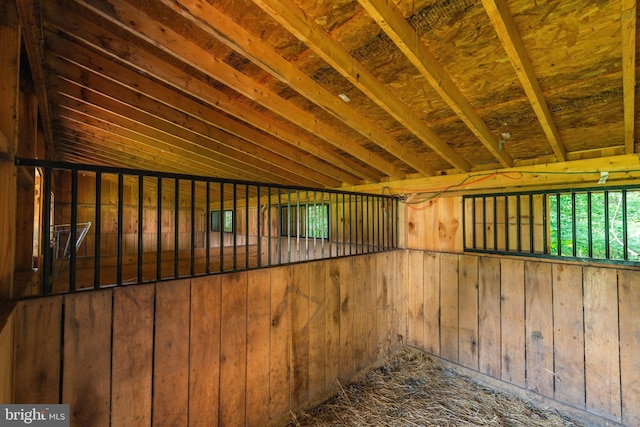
x=219, y=224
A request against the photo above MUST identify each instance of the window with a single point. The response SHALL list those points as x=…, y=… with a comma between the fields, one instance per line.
x=305, y=221
x=217, y=223
x=590, y=224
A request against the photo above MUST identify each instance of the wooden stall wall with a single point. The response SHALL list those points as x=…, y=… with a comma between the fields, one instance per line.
x=567, y=332
x=233, y=349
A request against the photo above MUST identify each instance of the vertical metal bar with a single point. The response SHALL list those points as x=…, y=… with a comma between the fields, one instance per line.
x=495, y=223
x=625, y=231
x=279, y=228
x=474, y=241
x=258, y=228
x=351, y=220
x=207, y=231
x=159, y=233
x=506, y=222
x=317, y=225
x=545, y=250
x=73, y=231
x=325, y=221
x=221, y=227
x=465, y=246
x=344, y=225
x=484, y=223
x=559, y=223
x=268, y=225
x=97, y=240
x=589, y=225
x=47, y=252
x=298, y=225
x=357, y=243
x=307, y=225
x=531, y=235
x=140, y=224
x=176, y=228
x=607, y=252
x=120, y=229
x=234, y=218
x=573, y=224
x=518, y=224
x=288, y=226
x=193, y=228
x=337, y=236
x=246, y=226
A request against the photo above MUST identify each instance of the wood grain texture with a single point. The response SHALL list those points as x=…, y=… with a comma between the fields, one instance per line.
x=298, y=294
x=318, y=307
x=258, y=356
x=568, y=325
x=38, y=334
x=629, y=300
x=86, y=382
x=204, y=351
x=489, y=317
x=513, y=322
x=449, y=306
x=171, y=353
x=602, y=358
x=468, y=312
x=415, y=299
x=431, y=263
x=280, y=341
x=347, y=307
x=132, y=356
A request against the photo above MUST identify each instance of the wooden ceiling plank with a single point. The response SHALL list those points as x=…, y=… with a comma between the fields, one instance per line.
x=290, y=16
x=243, y=42
x=308, y=166
x=628, y=18
x=30, y=15
x=393, y=23
x=145, y=64
x=179, y=47
x=509, y=35
x=194, y=133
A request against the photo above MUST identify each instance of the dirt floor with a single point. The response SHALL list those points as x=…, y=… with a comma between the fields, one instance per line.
x=413, y=389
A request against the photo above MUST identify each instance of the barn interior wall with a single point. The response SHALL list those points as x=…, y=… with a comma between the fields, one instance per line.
x=566, y=331
x=243, y=347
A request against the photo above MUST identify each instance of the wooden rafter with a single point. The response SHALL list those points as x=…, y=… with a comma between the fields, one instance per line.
x=509, y=35
x=289, y=15
x=177, y=46
x=243, y=42
x=121, y=52
x=390, y=19
x=628, y=19
x=30, y=12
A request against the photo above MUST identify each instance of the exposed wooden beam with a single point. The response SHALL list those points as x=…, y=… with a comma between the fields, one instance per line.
x=570, y=174
x=146, y=65
x=509, y=35
x=237, y=38
x=179, y=47
x=289, y=15
x=628, y=18
x=393, y=23
x=30, y=12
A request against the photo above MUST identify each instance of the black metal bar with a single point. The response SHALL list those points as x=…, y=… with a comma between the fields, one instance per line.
x=484, y=222
x=495, y=223
x=506, y=221
x=315, y=225
x=625, y=231
x=307, y=225
x=545, y=249
x=474, y=241
x=279, y=228
x=357, y=219
x=176, y=229
x=589, y=225
x=573, y=224
x=235, y=228
x=258, y=227
x=207, y=230
x=193, y=229
x=140, y=225
x=559, y=223
x=269, y=225
x=327, y=219
x=73, y=231
x=159, y=233
x=607, y=242
x=531, y=235
x=289, y=226
x=119, y=245
x=96, y=231
x=221, y=220
x=344, y=225
x=246, y=223
x=518, y=224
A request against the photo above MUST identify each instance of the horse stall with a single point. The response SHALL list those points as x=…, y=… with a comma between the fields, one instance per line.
x=300, y=213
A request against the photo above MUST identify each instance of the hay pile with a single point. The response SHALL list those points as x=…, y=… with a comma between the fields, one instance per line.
x=412, y=389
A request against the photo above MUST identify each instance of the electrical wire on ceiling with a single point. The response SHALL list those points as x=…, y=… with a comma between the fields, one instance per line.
x=430, y=194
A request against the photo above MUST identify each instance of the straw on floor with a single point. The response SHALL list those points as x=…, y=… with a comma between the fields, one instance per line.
x=413, y=389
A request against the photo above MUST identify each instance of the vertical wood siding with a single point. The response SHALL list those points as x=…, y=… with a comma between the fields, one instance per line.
x=234, y=349
x=567, y=332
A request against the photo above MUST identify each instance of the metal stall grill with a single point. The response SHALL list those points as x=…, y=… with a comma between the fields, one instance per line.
x=133, y=226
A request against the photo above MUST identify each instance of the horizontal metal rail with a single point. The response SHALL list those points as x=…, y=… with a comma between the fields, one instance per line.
x=156, y=226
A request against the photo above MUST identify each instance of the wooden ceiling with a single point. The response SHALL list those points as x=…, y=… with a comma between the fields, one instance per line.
x=331, y=93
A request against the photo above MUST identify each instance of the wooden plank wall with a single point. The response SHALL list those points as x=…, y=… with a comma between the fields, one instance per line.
x=567, y=332
x=234, y=349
